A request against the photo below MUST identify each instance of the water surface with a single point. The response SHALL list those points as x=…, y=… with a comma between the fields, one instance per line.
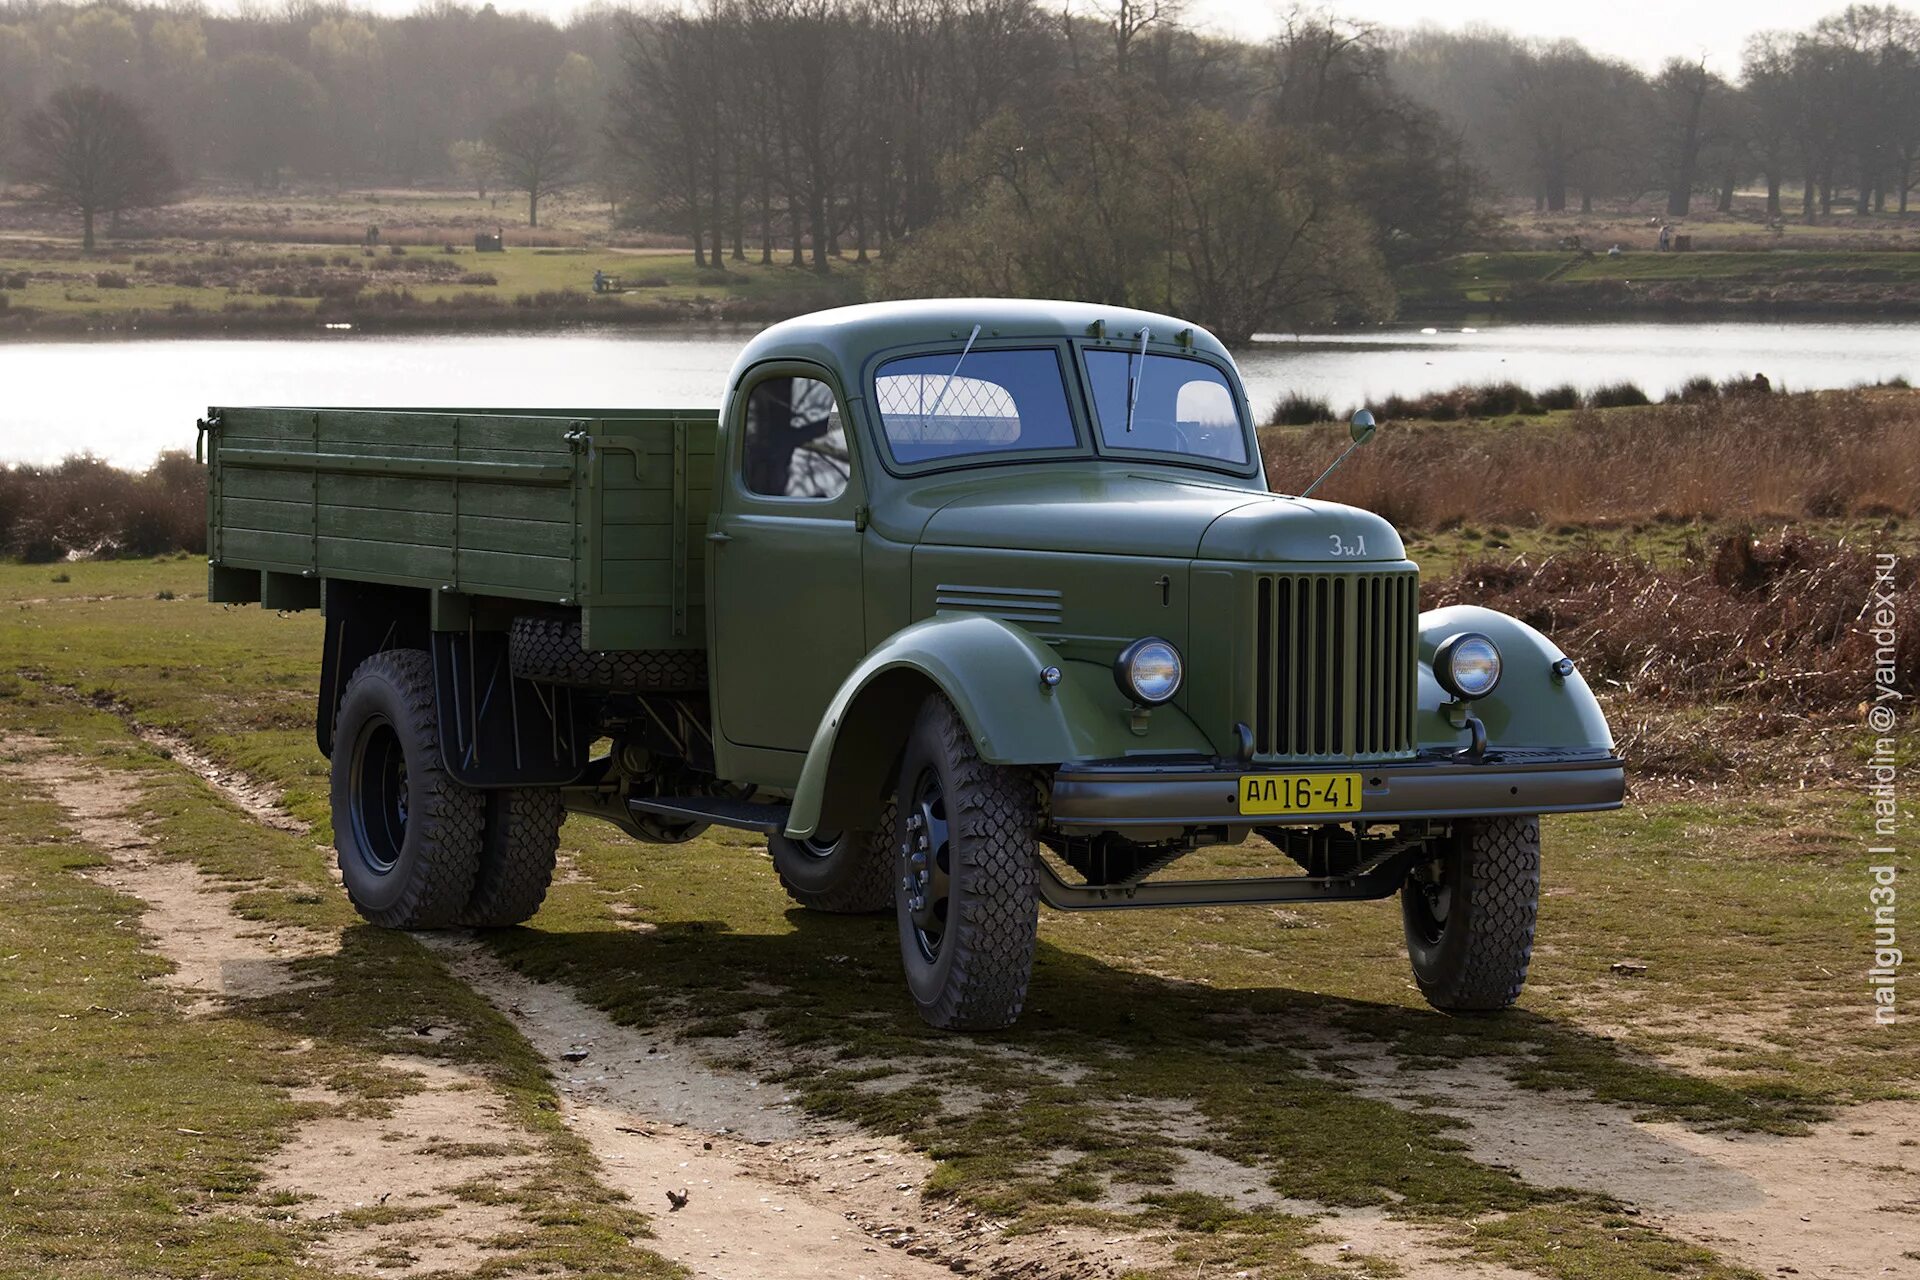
x=126, y=400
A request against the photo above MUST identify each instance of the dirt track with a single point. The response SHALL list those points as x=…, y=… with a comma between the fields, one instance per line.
x=770, y=1191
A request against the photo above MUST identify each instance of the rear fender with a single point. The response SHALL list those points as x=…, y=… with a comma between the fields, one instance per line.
x=1530, y=707
x=990, y=671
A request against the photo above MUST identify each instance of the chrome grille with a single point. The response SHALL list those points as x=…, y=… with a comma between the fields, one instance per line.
x=1336, y=664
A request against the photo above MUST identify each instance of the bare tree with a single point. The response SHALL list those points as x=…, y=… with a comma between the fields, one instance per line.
x=91, y=152
x=539, y=151
x=474, y=161
x=1687, y=97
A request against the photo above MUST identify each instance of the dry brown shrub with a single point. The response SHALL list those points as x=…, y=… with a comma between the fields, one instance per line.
x=1782, y=623
x=85, y=506
x=1826, y=454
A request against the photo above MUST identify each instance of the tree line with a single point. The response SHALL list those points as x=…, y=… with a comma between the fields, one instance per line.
x=1104, y=149
x=1832, y=110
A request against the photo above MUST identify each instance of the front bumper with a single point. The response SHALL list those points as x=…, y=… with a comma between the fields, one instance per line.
x=1120, y=795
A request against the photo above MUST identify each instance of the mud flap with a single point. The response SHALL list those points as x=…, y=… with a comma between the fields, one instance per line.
x=499, y=730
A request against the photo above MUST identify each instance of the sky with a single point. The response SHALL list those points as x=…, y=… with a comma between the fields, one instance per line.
x=1639, y=31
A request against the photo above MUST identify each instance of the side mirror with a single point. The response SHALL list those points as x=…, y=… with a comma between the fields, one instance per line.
x=1361, y=429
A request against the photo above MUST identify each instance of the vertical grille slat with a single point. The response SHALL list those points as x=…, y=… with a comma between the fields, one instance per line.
x=1335, y=654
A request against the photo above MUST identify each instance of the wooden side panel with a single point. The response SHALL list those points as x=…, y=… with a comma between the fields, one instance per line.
x=608, y=513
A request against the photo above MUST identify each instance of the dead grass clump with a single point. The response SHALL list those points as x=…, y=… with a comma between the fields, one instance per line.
x=1296, y=410
x=85, y=507
x=1781, y=624
x=1734, y=457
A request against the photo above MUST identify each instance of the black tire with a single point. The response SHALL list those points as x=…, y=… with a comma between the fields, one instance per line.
x=1469, y=915
x=520, y=839
x=407, y=834
x=550, y=649
x=966, y=892
x=850, y=874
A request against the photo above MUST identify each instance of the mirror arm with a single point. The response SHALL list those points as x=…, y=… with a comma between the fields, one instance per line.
x=1308, y=491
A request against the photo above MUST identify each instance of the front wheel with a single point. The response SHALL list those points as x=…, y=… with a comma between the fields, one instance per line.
x=967, y=893
x=1469, y=914
x=849, y=874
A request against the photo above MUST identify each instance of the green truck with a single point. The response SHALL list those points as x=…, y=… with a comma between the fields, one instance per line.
x=966, y=605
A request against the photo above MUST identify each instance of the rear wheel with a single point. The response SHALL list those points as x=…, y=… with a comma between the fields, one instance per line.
x=407, y=834
x=1469, y=914
x=966, y=895
x=519, y=844
x=846, y=874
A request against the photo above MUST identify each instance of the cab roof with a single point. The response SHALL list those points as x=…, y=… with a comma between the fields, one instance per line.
x=845, y=337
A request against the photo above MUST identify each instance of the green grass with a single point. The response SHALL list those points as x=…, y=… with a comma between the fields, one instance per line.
x=64, y=284
x=1744, y=911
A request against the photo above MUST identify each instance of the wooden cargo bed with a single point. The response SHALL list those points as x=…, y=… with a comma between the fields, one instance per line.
x=605, y=511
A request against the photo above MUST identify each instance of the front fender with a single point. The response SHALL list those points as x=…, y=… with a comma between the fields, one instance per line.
x=1531, y=706
x=990, y=671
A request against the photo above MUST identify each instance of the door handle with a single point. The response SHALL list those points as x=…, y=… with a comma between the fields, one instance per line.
x=718, y=538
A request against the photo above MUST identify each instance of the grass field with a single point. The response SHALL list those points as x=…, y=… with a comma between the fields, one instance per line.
x=1237, y=1091
x=236, y=259
x=1870, y=278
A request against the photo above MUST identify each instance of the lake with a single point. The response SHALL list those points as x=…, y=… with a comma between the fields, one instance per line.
x=125, y=400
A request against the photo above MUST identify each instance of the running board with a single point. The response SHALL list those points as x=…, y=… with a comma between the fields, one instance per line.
x=767, y=819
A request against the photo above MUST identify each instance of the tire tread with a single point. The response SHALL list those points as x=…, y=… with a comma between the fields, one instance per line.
x=1503, y=872
x=520, y=846
x=992, y=808
x=868, y=887
x=552, y=649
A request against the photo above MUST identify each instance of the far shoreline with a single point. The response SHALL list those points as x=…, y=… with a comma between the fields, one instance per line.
x=138, y=326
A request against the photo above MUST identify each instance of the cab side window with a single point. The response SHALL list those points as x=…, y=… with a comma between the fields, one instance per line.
x=793, y=444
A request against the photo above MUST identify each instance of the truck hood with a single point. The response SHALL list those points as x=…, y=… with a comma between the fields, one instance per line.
x=1148, y=515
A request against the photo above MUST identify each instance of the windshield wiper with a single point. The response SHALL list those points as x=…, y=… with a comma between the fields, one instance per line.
x=948, y=384
x=1134, y=380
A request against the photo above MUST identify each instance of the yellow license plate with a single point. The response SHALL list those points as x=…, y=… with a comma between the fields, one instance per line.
x=1289, y=793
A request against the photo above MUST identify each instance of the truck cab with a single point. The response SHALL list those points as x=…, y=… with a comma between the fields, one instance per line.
x=979, y=604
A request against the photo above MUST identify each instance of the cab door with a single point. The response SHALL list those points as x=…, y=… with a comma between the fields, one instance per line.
x=784, y=550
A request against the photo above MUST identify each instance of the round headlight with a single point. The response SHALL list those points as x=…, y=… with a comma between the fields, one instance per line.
x=1148, y=671
x=1467, y=665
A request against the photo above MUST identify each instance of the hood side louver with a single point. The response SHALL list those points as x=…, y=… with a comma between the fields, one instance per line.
x=1028, y=606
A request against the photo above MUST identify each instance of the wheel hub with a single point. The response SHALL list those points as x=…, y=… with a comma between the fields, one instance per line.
x=926, y=861
x=1432, y=893
x=378, y=796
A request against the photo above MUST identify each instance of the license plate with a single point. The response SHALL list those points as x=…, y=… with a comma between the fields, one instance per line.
x=1289, y=793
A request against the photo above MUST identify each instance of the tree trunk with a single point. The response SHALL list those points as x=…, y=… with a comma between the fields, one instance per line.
x=766, y=223
x=1806, y=200
x=1725, y=204
x=1773, y=193
x=817, y=216
x=1586, y=201
x=86, y=230
x=1680, y=194
x=533, y=208
x=739, y=216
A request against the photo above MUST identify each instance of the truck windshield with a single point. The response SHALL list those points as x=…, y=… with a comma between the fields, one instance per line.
x=1180, y=405
x=996, y=401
